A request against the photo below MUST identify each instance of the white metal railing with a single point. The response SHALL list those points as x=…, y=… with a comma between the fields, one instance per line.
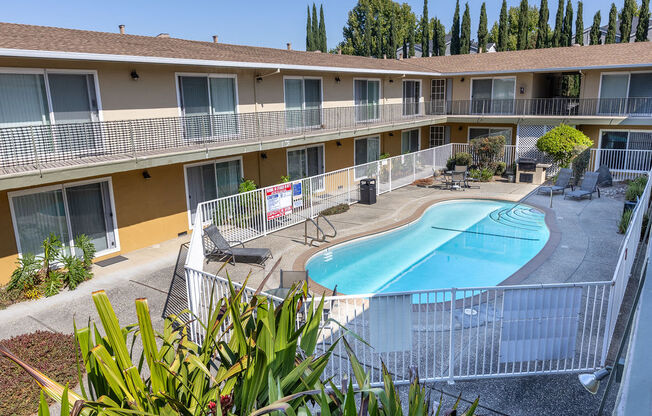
x=448, y=334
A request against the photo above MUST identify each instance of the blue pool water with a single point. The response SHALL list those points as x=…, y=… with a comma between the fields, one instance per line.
x=464, y=243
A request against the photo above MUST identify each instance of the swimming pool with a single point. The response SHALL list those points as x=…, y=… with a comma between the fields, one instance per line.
x=462, y=243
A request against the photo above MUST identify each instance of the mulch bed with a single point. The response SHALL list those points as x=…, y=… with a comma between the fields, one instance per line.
x=51, y=353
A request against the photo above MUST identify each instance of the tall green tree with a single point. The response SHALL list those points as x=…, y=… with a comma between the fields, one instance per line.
x=595, y=33
x=483, y=34
x=455, y=30
x=567, y=32
x=465, y=36
x=626, y=16
x=559, y=23
x=503, y=28
x=521, y=39
x=309, y=37
x=392, y=43
x=369, y=18
x=412, y=27
x=643, y=21
x=542, y=27
x=425, y=31
x=379, y=46
x=322, y=30
x=439, y=39
x=579, y=24
x=610, y=37
x=315, y=29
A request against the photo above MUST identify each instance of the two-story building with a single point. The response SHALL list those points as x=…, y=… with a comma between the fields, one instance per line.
x=119, y=137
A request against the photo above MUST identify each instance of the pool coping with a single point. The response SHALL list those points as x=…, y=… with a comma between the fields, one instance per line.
x=515, y=278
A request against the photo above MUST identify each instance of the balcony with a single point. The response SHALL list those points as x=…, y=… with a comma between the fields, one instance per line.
x=35, y=148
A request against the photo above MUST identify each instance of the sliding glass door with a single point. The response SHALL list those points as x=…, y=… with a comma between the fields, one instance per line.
x=212, y=180
x=303, y=103
x=367, y=99
x=411, y=97
x=68, y=212
x=492, y=95
x=306, y=162
x=209, y=104
x=410, y=141
x=366, y=150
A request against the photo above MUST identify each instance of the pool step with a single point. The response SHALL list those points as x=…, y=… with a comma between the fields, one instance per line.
x=519, y=217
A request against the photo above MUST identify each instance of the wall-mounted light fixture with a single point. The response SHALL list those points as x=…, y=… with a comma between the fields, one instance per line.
x=338, y=143
x=263, y=155
x=338, y=80
x=462, y=80
x=391, y=81
x=391, y=134
x=134, y=75
x=146, y=175
x=522, y=90
x=459, y=128
x=259, y=79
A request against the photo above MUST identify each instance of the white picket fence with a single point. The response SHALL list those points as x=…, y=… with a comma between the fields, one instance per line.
x=448, y=334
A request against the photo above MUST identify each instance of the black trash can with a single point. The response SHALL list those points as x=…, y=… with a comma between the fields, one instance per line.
x=368, y=191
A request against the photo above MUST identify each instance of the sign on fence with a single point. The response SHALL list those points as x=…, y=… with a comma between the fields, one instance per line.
x=279, y=200
x=540, y=324
x=297, y=195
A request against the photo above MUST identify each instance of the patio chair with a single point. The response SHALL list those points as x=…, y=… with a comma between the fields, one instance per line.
x=562, y=182
x=457, y=179
x=588, y=187
x=222, y=248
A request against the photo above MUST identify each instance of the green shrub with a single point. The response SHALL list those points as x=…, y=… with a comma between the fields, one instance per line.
x=337, y=209
x=488, y=150
x=285, y=178
x=624, y=221
x=27, y=275
x=246, y=186
x=385, y=155
x=53, y=283
x=75, y=271
x=580, y=164
x=499, y=168
x=635, y=189
x=563, y=144
x=52, y=248
x=482, y=175
x=459, y=159
x=87, y=248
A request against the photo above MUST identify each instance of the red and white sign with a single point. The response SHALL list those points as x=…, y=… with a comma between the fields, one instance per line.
x=279, y=200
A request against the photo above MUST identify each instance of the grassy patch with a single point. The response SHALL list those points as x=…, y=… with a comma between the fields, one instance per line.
x=337, y=209
x=51, y=352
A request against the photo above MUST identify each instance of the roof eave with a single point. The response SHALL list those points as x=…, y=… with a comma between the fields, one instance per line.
x=83, y=56
x=558, y=69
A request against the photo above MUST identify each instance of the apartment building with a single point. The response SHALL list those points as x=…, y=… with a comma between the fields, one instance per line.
x=119, y=137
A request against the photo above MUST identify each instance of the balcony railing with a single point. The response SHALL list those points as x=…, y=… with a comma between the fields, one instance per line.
x=43, y=146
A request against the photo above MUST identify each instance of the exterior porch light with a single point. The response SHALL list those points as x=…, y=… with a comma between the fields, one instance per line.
x=337, y=80
x=338, y=143
x=134, y=75
x=146, y=175
x=591, y=382
x=263, y=155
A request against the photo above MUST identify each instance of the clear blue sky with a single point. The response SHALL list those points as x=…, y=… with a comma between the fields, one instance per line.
x=270, y=23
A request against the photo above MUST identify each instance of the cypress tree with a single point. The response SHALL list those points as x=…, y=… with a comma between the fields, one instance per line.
x=455, y=30
x=465, y=37
x=503, y=28
x=315, y=29
x=542, y=29
x=626, y=16
x=579, y=25
x=521, y=38
x=322, y=30
x=441, y=37
x=610, y=37
x=643, y=21
x=482, y=29
x=392, y=44
x=411, y=30
x=368, y=17
x=379, y=35
x=567, y=33
x=595, y=30
x=559, y=22
x=309, y=40
x=435, y=37
x=425, y=31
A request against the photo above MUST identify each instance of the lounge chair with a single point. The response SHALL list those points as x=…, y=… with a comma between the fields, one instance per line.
x=562, y=182
x=588, y=187
x=216, y=246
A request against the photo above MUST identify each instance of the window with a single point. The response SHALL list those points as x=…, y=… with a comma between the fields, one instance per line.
x=475, y=132
x=438, y=96
x=626, y=150
x=410, y=141
x=366, y=150
x=212, y=180
x=438, y=136
x=303, y=102
x=55, y=98
x=492, y=95
x=411, y=96
x=67, y=211
x=209, y=103
x=367, y=99
x=626, y=93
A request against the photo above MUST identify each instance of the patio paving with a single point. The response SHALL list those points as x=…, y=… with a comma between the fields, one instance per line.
x=586, y=251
